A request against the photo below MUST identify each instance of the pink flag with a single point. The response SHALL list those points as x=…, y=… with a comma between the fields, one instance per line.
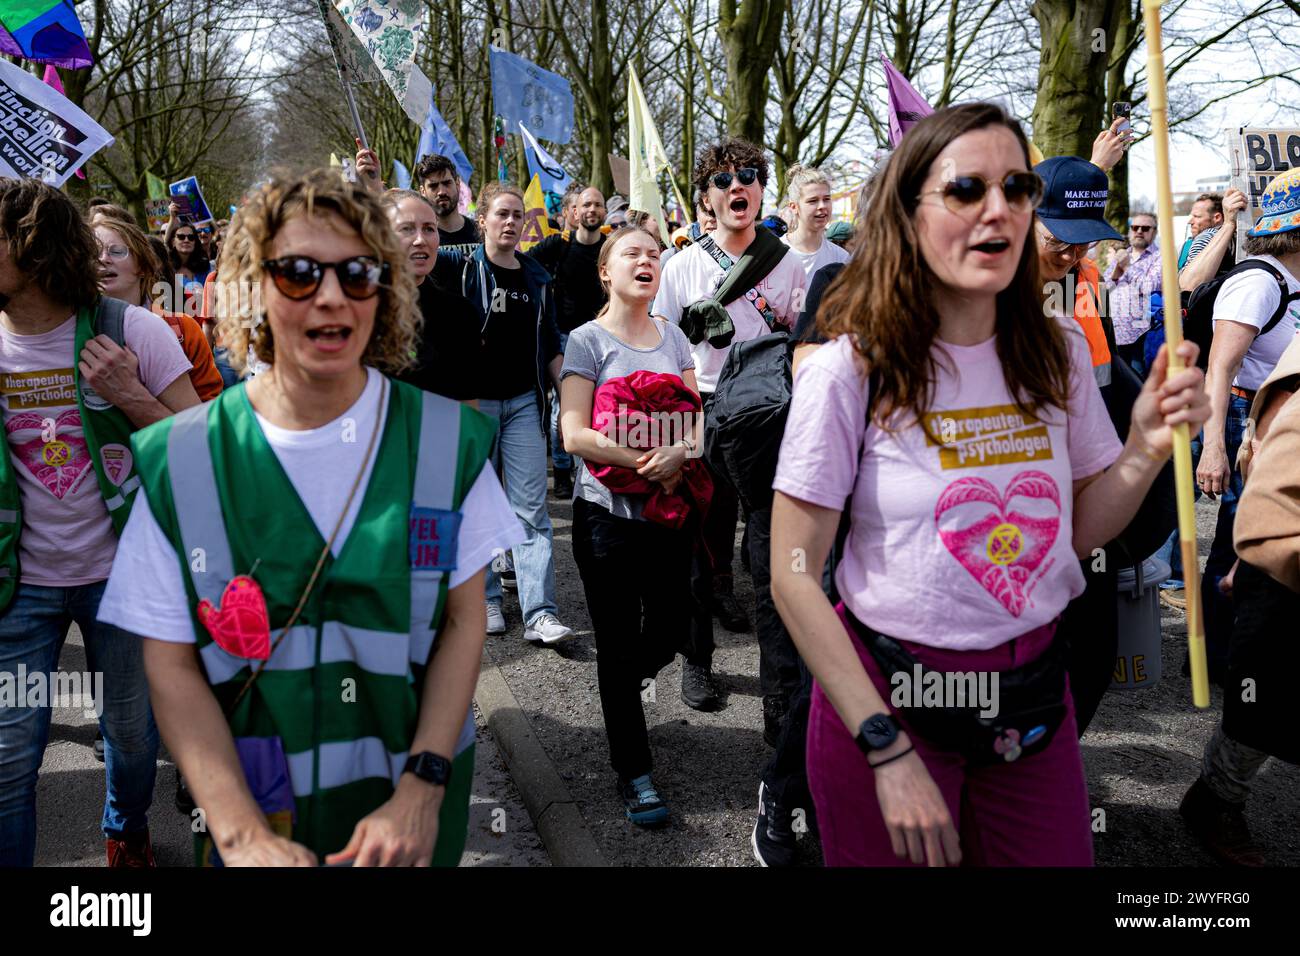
x=906, y=106
x=52, y=79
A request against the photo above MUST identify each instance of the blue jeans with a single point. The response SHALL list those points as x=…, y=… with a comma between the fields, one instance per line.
x=520, y=457
x=1218, y=609
x=562, y=460
x=32, y=632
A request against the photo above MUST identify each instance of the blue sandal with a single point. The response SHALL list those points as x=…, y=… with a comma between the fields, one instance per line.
x=643, y=804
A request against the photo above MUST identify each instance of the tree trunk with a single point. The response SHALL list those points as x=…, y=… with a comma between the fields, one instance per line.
x=600, y=100
x=1071, y=104
x=750, y=32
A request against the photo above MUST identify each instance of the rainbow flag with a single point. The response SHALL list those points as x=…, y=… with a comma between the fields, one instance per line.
x=45, y=31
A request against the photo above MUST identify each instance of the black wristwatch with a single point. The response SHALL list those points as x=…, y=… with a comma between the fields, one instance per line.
x=876, y=733
x=430, y=768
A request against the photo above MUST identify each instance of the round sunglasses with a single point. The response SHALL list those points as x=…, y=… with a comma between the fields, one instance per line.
x=746, y=177
x=1022, y=191
x=298, y=277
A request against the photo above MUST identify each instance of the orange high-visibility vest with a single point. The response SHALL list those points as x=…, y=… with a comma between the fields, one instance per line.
x=1087, y=312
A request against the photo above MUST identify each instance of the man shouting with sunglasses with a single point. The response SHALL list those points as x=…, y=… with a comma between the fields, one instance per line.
x=734, y=284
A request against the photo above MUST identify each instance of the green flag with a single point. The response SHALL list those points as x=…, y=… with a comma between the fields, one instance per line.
x=157, y=189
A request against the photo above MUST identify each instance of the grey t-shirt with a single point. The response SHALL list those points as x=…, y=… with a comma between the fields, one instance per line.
x=598, y=356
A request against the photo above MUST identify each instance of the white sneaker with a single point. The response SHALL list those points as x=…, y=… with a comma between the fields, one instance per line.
x=496, y=621
x=548, y=630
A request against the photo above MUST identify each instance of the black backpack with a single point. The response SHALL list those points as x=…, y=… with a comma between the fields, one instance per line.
x=1198, y=306
x=746, y=420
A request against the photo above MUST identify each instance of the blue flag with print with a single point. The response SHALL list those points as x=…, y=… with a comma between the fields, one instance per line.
x=436, y=138
x=522, y=92
x=542, y=164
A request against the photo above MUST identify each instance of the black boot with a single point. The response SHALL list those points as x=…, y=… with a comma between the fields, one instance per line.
x=726, y=608
x=563, y=484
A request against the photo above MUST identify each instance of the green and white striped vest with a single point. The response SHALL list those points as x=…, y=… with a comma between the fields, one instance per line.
x=342, y=690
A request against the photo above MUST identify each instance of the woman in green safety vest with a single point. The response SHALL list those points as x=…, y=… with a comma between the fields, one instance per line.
x=308, y=572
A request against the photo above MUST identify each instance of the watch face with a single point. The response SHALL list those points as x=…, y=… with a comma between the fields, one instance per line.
x=879, y=731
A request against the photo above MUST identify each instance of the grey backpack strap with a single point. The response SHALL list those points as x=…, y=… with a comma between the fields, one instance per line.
x=110, y=319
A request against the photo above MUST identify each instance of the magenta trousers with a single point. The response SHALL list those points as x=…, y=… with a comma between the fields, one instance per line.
x=1030, y=812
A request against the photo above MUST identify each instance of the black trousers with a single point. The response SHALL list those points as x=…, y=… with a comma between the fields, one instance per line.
x=715, y=544
x=778, y=661
x=634, y=574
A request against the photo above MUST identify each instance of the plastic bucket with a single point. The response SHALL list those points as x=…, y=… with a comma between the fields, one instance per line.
x=1137, y=663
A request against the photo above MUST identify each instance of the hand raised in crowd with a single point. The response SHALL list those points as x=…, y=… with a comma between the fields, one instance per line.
x=916, y=816
x=1234, y=201
x=1121, y=260
x=402, y=832
x=1108, y=148
x=269, y=849
x=112, y=371
x=1169, y=400
x=659, y=464
x=367, y=162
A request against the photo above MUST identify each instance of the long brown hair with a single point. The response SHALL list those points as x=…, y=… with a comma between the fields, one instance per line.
x=884, y=295
x=49, y=242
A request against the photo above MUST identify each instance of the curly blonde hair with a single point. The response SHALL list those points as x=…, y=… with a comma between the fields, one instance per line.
x=240, y=320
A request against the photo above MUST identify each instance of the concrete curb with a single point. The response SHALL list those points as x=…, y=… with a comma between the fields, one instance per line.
x=554, y=812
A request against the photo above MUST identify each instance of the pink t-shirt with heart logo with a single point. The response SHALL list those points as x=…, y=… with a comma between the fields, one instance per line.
x=960, y=543
x=67, y=538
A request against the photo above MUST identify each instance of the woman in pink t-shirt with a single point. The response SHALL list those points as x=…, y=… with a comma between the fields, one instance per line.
x=989, y=468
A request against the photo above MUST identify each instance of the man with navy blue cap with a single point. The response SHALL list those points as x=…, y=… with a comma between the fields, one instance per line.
x=1071, y=217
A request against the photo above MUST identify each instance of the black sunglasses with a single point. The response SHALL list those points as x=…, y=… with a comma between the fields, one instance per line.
x=298, y=277
x=1022, y=191
x=185, y=237
x=746, y=177
x=1137, y=228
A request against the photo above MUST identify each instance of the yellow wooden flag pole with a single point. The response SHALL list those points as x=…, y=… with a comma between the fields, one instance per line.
x=1159, y=102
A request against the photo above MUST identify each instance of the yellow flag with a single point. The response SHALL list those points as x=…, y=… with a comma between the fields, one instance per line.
x=334, y=160
x=536, y=228
x=647, y=156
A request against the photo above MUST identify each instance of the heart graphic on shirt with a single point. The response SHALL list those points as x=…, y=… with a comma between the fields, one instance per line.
x=57, y=458
x=241, y=626
x=1001, y=545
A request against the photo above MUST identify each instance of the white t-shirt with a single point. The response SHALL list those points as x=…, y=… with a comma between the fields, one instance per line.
x=812, y=261
x=146, y=594
x=693, y=275
x=1251, y=298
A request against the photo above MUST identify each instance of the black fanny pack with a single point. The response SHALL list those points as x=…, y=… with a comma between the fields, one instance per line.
x=1029, y=701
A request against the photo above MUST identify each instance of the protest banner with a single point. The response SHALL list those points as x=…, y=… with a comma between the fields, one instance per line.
x=906, y=106
x=1258, y=157
x=390, y=32
x=156, y=187
x=648, y=158
x=156, y=212
x=536, y=228
x=42, y=134
x=621, y=171
x=542, y=164
x=437, y=139
x=187, y=194
x=522, y=92
x=44, y=31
